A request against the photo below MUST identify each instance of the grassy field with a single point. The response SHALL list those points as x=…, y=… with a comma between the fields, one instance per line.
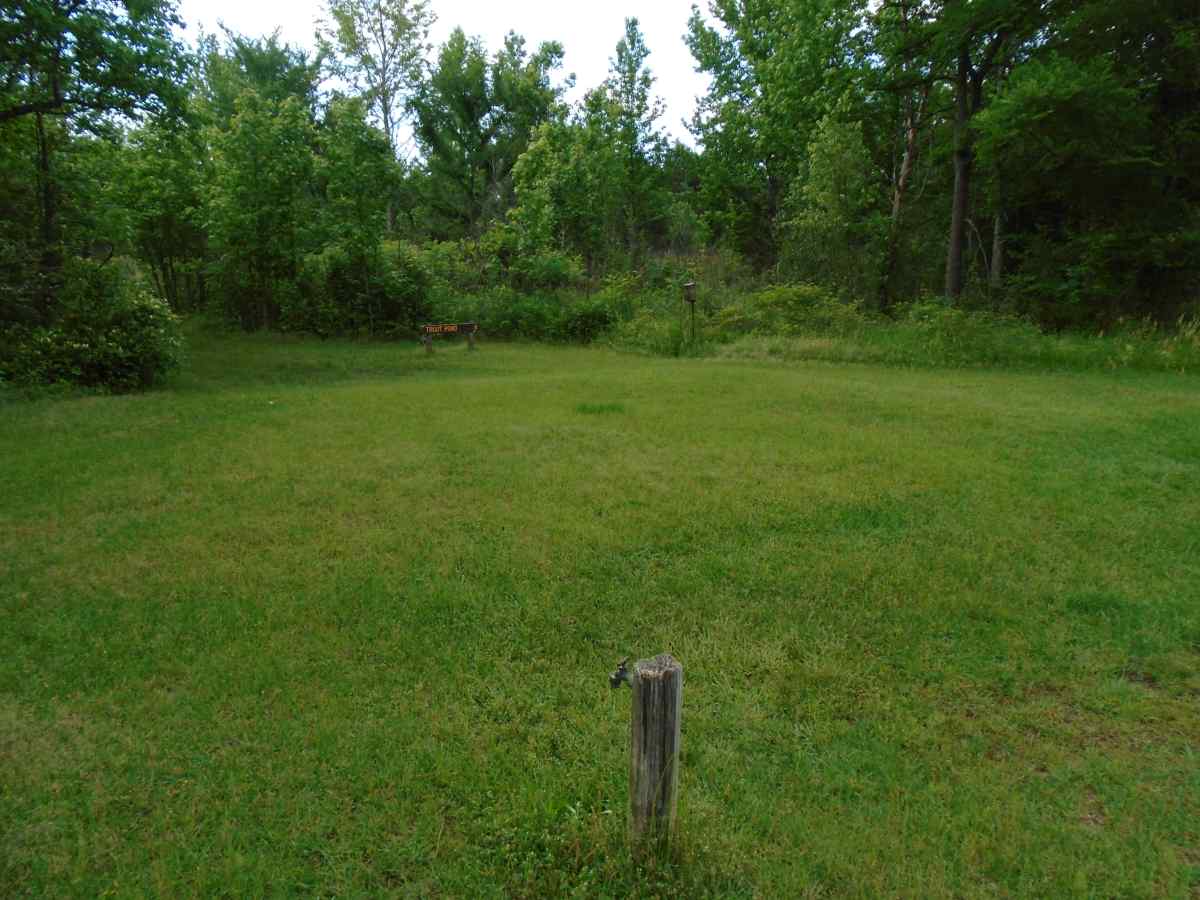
x=326, y=619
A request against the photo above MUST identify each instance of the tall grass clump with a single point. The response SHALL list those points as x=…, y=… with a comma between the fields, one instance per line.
x=788, y=310
x=806, y=321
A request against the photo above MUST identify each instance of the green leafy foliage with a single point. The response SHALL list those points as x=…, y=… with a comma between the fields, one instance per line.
x=599, y=184
x=546, y=270
x=649, y=331
x=586, y=320
x=832, y=226
x=258, y=206
x=89, y=60
x=503, y=312
x=1081, y=166
x=344, y=290
x=377, y=46
x=162, y=186
x=357, y=171
x=568, y=190
x=111, y=333
x=474, y=119
x=1061, y=155
x=274, y=70
x=777, y=68
x=790, y=309
x=836, y=142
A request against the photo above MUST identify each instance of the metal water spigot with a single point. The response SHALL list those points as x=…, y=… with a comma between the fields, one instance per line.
x=620, y=676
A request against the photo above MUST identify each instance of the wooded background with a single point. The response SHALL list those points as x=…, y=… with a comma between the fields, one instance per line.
x=1032, y=158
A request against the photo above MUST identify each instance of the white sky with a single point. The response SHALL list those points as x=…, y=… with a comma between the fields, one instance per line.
x=589, y=33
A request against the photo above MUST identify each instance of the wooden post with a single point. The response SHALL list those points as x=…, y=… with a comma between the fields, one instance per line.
x=689, y=297
x=654, y=748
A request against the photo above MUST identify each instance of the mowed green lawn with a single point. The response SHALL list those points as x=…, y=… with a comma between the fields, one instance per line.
x=326, y=619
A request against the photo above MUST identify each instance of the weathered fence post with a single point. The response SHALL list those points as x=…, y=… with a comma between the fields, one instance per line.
x=653, y=746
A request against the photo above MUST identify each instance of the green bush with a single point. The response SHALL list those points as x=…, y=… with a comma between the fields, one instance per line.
x=457, y=268
x=557, y=316
x=110, y=332
x=448, y=265
x=947, y=335
x=351, y=290
x=21, y=283
x=586, y=320
x=649, y=332
x=790, y=309
x=410, y=283
x=623, y=294
x=503, y=312
x=546, y=271
x=510, y=314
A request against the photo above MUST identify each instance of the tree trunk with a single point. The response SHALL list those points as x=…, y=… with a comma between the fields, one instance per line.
x=907, y=165
x=50, y=263
x=963, y=159
x=996, y=276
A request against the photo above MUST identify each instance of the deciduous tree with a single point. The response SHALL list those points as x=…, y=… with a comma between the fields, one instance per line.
x=379, y=47
x=474, y=119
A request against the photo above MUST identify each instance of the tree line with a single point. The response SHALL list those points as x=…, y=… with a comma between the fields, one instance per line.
x=1040, y=157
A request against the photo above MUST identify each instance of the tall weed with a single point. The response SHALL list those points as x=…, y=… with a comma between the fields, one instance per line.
x=651, y=332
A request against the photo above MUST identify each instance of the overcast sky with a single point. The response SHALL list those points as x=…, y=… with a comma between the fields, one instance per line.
x=589, y=33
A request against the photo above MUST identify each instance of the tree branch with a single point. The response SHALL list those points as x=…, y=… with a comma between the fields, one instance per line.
x=25, y=109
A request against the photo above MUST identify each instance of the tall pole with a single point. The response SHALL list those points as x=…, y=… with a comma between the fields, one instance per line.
x=689, y=297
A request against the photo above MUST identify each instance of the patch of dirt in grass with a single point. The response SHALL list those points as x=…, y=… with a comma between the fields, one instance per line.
x=1093, y=815
x=1145, y=679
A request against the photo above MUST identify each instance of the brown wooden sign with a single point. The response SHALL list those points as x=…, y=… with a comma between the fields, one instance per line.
x=461, y=328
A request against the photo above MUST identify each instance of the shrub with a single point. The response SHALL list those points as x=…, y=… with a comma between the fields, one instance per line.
x=790, y=309
x=448, y=265
x=623, y=293
x=110, y=332
x=20, y=283
x=502, y=312
x=509, y=314
x=410, y=284
x=462, y=267
x=651, y=333
x=586, y=320
x=947, y=335
x=721, y=269
x=546, y=271
x=346, y=289
x=505, y=312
